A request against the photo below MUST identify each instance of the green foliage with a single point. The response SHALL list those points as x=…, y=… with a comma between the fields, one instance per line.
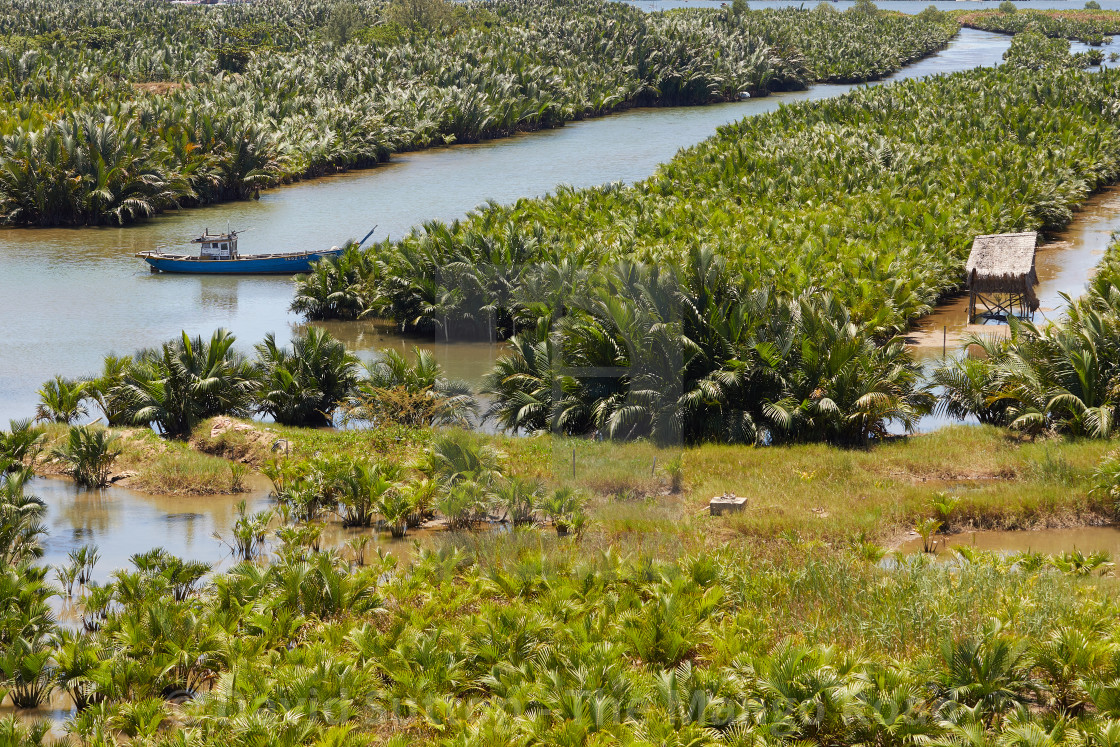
x=186, y=381
x=1007, y=7
x=89, y=453
x=717, y=263
x=423, y=15
x=415, y=393
x=1091, y=25
x=61, y=401
x=303, y=385
x=21, y=517
x=19, y=445
x=1033, y=51
x=111, y=113
x=344, y=19
x=700, y=358
x=564, y=507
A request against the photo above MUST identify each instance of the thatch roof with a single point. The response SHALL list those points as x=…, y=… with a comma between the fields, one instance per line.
x=1004, y=263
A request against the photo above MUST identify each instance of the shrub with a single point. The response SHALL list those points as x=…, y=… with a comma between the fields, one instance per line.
x=62, y=401
x=89, y=453
x=564, y=508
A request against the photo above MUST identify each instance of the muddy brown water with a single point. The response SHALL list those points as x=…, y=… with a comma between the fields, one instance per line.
x=1064, y=266
x=1045, y=541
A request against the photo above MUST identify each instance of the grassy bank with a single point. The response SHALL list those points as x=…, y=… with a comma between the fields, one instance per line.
x=655, y=623
x=809, y=491
x=520, y=639
x=153, y=465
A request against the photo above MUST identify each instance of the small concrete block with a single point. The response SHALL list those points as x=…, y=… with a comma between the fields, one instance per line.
x=726, y=504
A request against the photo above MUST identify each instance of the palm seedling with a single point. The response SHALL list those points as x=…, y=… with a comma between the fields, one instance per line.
x=564, y=508
x=1077, y=563
x=926, y=528
x=27, y=667
x=517, y=499
x=362, y=489
x=459, y=455
x=82, y=562
x=88, y=453
x=462, y=504
x=988, y=674
x=396, y=506
x=247, y=537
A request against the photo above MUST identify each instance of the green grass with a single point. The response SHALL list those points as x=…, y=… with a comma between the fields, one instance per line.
x=811, y=491
x=185, y=472
x=158, y=466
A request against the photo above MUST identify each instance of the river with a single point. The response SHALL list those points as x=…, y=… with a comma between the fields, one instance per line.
x=74, y=295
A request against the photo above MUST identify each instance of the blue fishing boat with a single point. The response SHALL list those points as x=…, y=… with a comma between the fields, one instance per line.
x=219, y=255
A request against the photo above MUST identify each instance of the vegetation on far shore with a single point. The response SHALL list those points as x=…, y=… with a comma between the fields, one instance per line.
x=111, y=113
x=1090, y=25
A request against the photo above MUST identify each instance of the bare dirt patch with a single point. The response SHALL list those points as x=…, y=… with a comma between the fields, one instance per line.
x=160, y=88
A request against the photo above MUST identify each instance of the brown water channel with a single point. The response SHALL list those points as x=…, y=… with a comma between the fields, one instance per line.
x=1045, y=541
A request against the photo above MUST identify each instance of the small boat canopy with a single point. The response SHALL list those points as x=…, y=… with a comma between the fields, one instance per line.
x=217, y=245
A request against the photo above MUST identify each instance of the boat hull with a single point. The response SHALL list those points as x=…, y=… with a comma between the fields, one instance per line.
x=272, y=264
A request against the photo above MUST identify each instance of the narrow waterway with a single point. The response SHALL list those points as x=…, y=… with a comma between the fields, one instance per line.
x=1045, y=541
x=74, y=295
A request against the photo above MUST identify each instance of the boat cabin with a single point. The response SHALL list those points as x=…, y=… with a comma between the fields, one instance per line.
x=217, y=245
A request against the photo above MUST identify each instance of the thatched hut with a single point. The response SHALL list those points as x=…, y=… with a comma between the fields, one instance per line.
x=1001, y=276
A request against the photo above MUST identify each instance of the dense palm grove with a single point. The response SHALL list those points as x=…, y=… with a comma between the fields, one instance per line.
x=1089, y=25
x=701, y=288
x=875, y=195
x=110, y=113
